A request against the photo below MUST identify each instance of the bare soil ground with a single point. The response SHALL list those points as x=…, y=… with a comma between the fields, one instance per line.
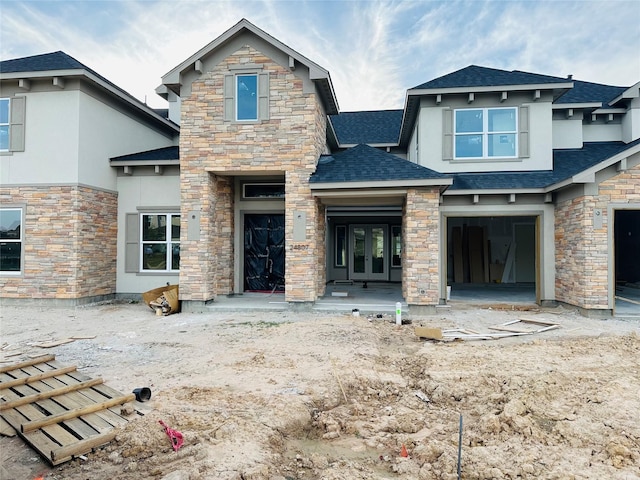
x=288, y=395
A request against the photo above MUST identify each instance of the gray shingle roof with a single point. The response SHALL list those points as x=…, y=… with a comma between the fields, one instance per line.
x=476, y=76
x=371, y=127
x=566, y=163
x=41, y=63
x=166, y=153
x=363, y=163
x=587, y=92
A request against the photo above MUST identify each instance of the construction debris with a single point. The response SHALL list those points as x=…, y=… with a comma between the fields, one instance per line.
x=163, y=300
x=513, y=328
x=60, y=412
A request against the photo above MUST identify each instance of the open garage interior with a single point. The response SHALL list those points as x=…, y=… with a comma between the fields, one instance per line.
x=627, y=261
x=492, y=256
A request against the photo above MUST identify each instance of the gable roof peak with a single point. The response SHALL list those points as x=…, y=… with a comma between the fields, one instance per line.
x=478, y=76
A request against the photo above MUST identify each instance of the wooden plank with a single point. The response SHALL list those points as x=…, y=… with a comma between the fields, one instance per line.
x=485, y=254
x=64, y=417
x=42, y=395
x=511, y=329
x=6, y=429
x=77, y=426
x=62, y=454
x=536, y=321
x=101, y=423
x=53, y=343
x=36, y=377
x=34, y=425
x=27, y=363
x=458, y=269
x=475, y=254
x=90, y=396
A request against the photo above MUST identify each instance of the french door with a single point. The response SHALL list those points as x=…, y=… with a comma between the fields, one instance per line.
x=369, y=252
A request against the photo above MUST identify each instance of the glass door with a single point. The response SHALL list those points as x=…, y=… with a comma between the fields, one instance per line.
x=368, y=252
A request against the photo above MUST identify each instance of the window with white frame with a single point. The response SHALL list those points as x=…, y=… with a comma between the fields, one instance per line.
x=160, y=242
x=486, y=133
x=4, y=124
x=11, y=240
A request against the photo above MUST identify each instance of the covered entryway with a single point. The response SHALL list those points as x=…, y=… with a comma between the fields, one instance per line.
x=264, y=252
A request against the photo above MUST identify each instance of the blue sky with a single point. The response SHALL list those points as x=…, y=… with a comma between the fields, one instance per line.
x=374, y=50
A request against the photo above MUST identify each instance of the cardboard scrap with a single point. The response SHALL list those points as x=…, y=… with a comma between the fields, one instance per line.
x=428, y=332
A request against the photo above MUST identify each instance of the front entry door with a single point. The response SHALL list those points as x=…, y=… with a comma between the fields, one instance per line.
x=264, y=252
x=368, y=252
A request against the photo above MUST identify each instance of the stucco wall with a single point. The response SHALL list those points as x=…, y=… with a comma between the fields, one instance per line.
x=69, y=247
x=70, y=136
x=144, y=190
x=430, y=133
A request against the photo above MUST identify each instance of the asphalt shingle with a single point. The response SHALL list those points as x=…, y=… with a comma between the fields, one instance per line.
x=370, y=127
x=166, y=153
x=587, y=92
x=477, y=76
x=363, y=163
x=566, y=163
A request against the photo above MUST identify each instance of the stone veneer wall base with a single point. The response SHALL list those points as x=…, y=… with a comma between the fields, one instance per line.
x=422, y=309
x=56, y=302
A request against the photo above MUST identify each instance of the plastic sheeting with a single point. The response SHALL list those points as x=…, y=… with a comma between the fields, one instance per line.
x=264, y=252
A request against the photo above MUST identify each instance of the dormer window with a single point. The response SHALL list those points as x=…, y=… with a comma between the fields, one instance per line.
x=482, y=133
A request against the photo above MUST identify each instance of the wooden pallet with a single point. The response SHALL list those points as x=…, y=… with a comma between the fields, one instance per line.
x=60, y=412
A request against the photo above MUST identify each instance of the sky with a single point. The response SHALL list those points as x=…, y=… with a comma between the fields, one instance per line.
x=374, y=50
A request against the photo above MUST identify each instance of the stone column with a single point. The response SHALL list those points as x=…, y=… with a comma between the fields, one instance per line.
x=421, y=250
x=302, y=239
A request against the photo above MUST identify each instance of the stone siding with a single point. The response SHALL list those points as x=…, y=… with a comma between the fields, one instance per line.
x=421, y=247
x=582, y=250
x=69, y=245
x=211, y=148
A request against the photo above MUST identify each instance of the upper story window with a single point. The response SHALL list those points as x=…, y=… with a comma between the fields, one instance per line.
x=486, y=133
x=160, y=242
x=246, y=95
x=4, y=124
x=10, y=240
x=12, y=114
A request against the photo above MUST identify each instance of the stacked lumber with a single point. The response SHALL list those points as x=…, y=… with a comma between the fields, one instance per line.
x=60, y=412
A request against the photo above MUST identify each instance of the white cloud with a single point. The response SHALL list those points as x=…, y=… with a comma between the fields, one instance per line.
x=374, y=50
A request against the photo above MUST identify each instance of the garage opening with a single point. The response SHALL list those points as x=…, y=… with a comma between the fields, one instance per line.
x=492, y=258
x=627, y=260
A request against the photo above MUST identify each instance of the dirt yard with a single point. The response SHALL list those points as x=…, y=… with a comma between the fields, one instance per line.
x=312, y=396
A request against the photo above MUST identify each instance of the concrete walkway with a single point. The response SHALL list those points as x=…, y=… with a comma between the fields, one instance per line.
x=380, y=297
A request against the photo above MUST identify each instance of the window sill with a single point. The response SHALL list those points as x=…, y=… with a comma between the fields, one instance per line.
x=486, y=160
x=157, y=274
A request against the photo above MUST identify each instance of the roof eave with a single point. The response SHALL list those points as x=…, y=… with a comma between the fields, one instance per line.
x=428, y=182
x=490, y=88
x=588, y=175
x=140, y=163
x=80, y=72
x=564, y=106
x=631, y=92
x=495, y=191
